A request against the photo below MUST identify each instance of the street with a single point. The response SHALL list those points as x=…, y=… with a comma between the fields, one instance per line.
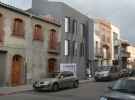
x=86, y=91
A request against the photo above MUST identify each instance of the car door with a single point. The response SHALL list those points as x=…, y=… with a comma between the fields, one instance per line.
x=66, y=81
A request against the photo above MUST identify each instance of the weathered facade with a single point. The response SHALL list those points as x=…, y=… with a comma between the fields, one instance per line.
x=24, y=44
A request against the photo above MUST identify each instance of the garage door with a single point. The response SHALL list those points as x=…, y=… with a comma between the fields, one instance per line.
x=2, y=67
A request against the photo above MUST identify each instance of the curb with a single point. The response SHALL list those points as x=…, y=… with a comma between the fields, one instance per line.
x=15, y=92
x=86, y=81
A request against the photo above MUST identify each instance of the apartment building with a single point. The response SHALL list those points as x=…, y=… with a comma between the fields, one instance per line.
x=104, y=38
x=27, y=50
x=131, y=59
x=116, y=44
x=124, y=54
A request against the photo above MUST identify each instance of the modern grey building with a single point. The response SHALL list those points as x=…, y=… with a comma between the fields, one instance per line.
x=74, y=34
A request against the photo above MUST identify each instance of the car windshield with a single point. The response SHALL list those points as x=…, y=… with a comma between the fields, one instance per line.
x=127, y=86
x=105, y=68
x=54, y=75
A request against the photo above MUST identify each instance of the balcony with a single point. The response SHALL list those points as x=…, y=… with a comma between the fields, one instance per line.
x=125, y=54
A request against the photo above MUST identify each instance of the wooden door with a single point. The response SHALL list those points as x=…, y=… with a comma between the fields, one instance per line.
x=51, y=65
x=16, y=70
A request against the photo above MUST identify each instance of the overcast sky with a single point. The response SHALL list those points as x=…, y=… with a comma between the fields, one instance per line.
x=120, y=12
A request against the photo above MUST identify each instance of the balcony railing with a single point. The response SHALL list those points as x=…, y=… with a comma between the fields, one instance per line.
x=125, y=54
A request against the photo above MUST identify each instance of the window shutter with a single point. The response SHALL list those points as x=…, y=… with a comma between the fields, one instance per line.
x=38, y=33
x=73, y=48
x=18, y=27
x=53, y=44
x=71, y=25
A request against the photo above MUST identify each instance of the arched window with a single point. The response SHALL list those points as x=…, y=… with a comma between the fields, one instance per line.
x=38, y=33
x=1, y=28
x=53, y=44
x=18, y=27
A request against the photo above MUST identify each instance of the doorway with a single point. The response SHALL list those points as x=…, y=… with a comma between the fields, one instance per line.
x=51, y=65
x=16, y=74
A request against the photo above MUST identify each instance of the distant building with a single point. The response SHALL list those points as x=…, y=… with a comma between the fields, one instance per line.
x=105, y=43
x=131, y=59
x=116, y=44
x=124, y=54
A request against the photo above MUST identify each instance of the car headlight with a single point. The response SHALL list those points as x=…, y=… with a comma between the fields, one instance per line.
x=106, y=74
x=46, y=83
x=103, y=98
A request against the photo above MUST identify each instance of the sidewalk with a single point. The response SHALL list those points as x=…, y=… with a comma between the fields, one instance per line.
x=18, y=89
x=14, y=90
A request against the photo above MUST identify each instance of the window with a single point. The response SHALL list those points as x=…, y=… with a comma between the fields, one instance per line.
x=1, y=28
x=97, y=46
x=82, y=48
x=53, y=39
x=67, y=24
x=74, y=26
x=73, y=48
x=18, y=27
x=76, y=49
x=67, y=47
x=38, y=34
x=115, y=36
x=108, y=39
x=82, y=30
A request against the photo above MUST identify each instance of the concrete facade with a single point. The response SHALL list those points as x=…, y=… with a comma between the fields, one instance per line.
x=34, y=53
x=59, y=11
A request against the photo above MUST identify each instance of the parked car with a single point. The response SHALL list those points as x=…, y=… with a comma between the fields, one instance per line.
x=124, y=72
x=132, y=72
x=57, y=81
x=107, y=73
x=123, y=89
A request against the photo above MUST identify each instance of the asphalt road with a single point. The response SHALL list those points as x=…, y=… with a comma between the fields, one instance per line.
x=87, y=91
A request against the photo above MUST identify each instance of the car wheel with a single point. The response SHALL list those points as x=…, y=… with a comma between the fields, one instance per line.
x=55, y=87
x=76, y=84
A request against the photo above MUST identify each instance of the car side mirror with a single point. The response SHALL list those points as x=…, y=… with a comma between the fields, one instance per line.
x=61, y=77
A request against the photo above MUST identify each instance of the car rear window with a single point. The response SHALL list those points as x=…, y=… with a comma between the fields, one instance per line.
x=68, y=74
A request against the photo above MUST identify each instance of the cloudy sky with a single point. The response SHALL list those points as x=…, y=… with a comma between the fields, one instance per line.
x=119, y=12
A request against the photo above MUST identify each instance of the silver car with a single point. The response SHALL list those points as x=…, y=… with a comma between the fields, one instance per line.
x=123, y=89
x=107, y=73
x=57, y=81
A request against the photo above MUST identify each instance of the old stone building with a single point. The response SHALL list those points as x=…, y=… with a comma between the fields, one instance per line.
x=28, y=46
